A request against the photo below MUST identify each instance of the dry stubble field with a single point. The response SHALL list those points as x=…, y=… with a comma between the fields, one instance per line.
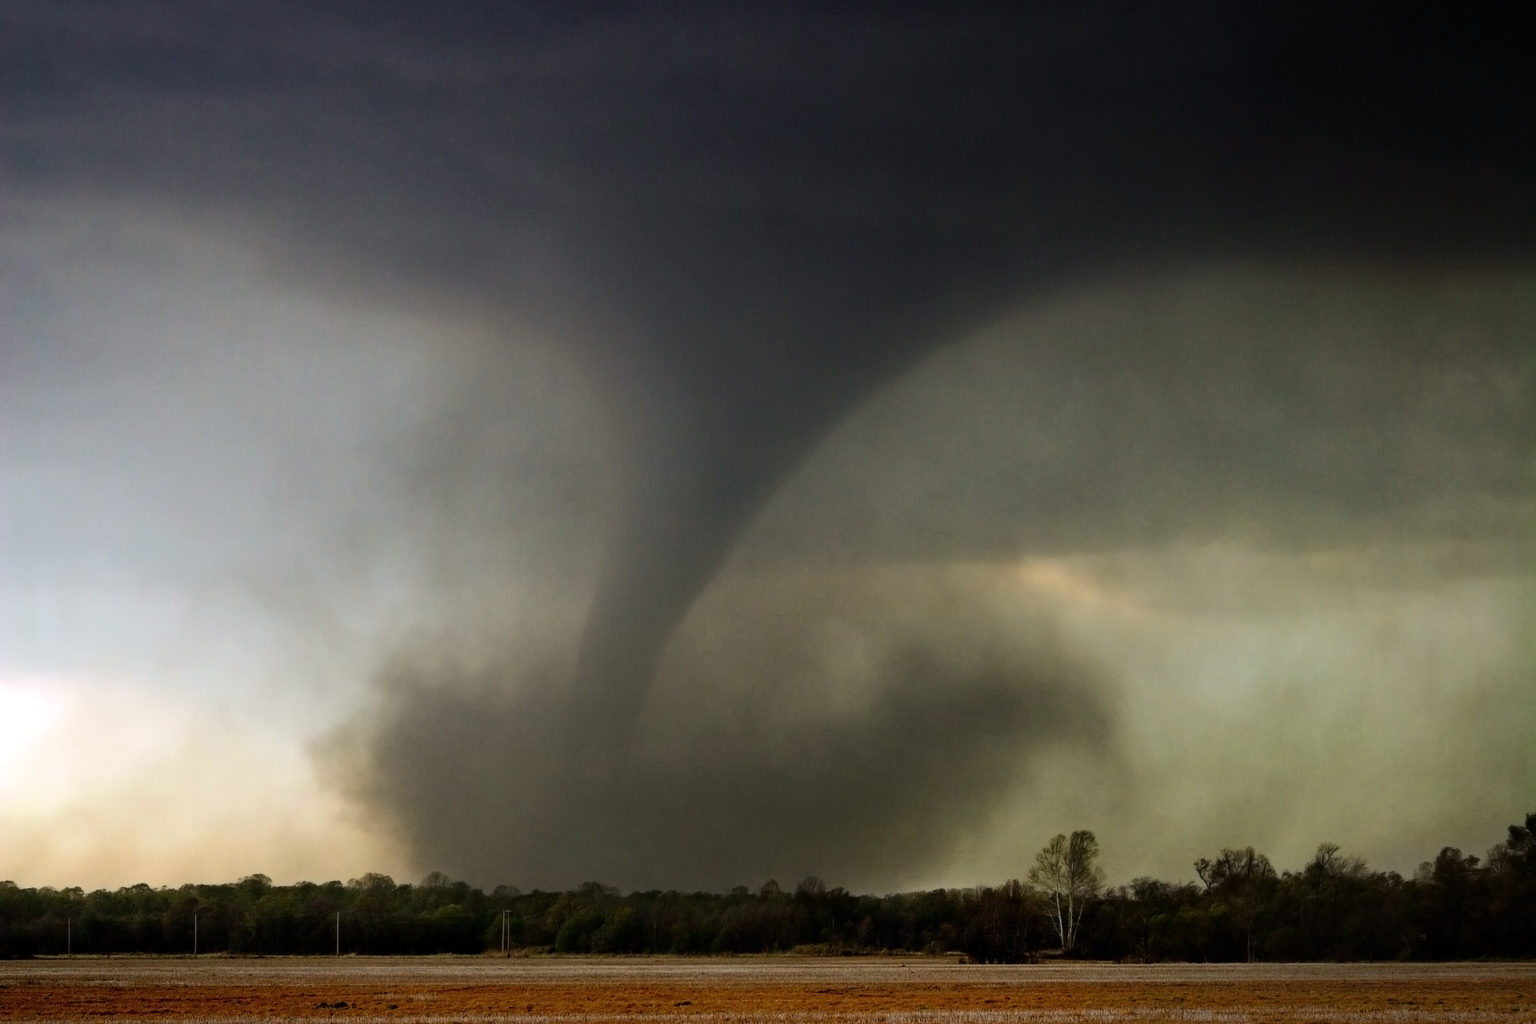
x=890, y=990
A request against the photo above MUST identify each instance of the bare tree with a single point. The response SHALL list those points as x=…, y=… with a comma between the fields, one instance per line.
x=1068, y=873
x=1238, y=878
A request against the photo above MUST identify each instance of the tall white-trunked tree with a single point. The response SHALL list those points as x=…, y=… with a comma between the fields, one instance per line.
x=1066, y=870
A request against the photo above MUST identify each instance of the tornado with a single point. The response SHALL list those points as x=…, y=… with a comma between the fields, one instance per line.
x=740, y=223
x=762, y=344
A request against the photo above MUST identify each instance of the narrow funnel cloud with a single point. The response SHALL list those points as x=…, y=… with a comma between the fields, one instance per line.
x=765, y=339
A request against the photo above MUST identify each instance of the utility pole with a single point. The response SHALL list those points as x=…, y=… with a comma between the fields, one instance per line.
x=194, y=933
x=338, y=933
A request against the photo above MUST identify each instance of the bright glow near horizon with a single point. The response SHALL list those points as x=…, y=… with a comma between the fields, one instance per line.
x=103, y=785
x=30, y=712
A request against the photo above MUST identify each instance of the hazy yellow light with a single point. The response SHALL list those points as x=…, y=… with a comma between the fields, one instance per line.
x=30, y=712
x=105, y=783
x=1056, y=579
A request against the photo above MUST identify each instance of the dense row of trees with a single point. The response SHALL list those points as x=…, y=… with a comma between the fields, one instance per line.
x=1455, y=906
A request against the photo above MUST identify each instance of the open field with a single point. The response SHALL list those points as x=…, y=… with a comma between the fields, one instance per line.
x=878, y=990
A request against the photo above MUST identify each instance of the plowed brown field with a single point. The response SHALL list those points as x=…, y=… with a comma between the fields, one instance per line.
x=889, y=990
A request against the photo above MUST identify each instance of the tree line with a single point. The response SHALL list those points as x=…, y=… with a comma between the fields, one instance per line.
x=1334, y=907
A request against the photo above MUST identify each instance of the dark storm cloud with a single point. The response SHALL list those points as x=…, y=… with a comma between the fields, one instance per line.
x=744, y=223
x=770, y=750
x=1292, y=412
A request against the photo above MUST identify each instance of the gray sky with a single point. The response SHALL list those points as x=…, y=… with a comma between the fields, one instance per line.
x=680, y=449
